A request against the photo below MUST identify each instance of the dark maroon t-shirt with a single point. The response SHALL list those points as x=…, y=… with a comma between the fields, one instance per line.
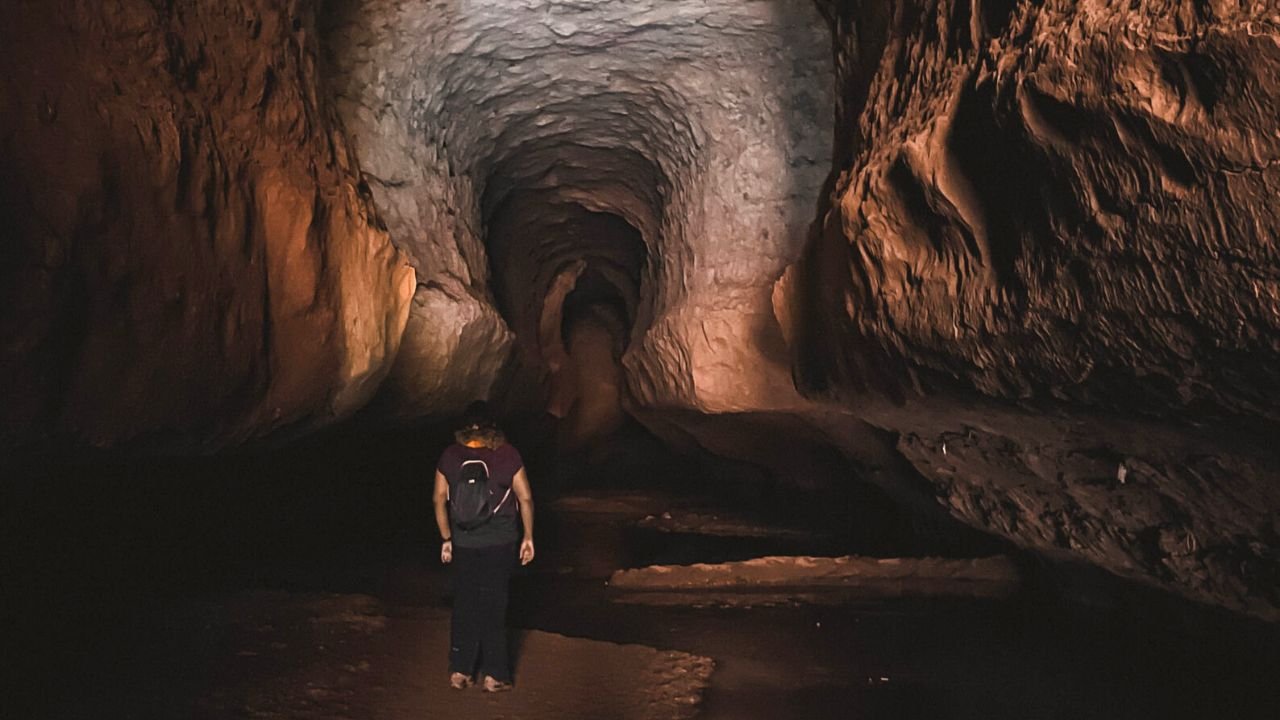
x=503, y=463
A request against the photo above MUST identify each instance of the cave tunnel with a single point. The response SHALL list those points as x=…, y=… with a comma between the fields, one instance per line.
x=886, y=360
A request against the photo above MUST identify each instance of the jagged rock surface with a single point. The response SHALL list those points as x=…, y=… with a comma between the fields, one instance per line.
x=188, y=260
x=1070, y=205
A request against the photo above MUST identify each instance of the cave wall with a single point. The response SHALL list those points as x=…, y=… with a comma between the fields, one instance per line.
x=1042, y=292
x=188, y=257
x=1063, y=199
x=706, y=126
x=1067, y=210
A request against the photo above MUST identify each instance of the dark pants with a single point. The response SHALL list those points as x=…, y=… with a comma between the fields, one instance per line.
x=479, y=628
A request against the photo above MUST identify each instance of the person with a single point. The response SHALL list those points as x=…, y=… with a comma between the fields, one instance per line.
x=483, y=557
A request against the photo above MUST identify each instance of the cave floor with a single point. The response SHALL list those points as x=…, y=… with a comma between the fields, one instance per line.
x=305, y=622
x=307, y=652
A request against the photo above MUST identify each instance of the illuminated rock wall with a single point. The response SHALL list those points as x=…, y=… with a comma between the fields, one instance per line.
x=189, y=258
x=1053, y=237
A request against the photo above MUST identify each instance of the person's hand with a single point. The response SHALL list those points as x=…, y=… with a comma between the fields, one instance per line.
x=526, y=551
x=446, y=552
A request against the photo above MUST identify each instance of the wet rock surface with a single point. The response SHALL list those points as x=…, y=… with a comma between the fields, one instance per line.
x=827, y=580
x=328, y=656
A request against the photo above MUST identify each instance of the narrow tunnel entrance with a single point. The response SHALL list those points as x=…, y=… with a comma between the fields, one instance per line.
x=568, y=281
x=595, y=327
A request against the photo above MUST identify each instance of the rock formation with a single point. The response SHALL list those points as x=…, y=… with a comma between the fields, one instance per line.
x=1069, y=208
x=705, y=126
x=1070, y=200
x=189, y=257
x=1042, y=291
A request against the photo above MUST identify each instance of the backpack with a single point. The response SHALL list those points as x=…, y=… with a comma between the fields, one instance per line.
x=472, y=500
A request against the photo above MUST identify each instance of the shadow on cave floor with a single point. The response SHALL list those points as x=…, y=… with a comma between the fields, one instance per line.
x=104, y=560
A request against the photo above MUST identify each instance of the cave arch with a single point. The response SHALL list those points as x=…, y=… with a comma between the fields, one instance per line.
x=702, y=125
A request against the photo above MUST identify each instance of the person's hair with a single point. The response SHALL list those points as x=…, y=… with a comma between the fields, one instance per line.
x=478, y=426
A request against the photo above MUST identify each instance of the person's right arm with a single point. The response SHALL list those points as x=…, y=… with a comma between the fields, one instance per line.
x=440, y=498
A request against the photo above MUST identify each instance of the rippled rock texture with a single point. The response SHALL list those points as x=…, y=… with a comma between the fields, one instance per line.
x=705, y=126
x=1066, y=199
x=188, y=256
x=1072, y=206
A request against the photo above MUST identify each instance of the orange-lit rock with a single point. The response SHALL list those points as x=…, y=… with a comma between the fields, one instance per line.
x=1070, y=210
x=188, y=261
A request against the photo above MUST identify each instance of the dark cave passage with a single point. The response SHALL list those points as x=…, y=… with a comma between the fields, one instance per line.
x=568, y=282
x=913, y=359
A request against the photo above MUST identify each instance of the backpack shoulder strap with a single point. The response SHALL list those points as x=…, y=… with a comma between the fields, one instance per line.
x=503, y=501
x=475, y=461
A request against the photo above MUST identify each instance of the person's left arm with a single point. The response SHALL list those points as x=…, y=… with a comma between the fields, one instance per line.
x=520, y=486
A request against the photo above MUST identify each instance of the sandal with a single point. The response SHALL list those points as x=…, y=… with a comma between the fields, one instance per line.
x=493, y=685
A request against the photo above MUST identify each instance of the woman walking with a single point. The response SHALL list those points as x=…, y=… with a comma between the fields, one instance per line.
x=480, y=489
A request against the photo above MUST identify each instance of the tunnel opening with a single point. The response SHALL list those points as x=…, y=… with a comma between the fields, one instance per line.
x=596, y=298
x=568, y=280
x=563, y=273
x=574, y=238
